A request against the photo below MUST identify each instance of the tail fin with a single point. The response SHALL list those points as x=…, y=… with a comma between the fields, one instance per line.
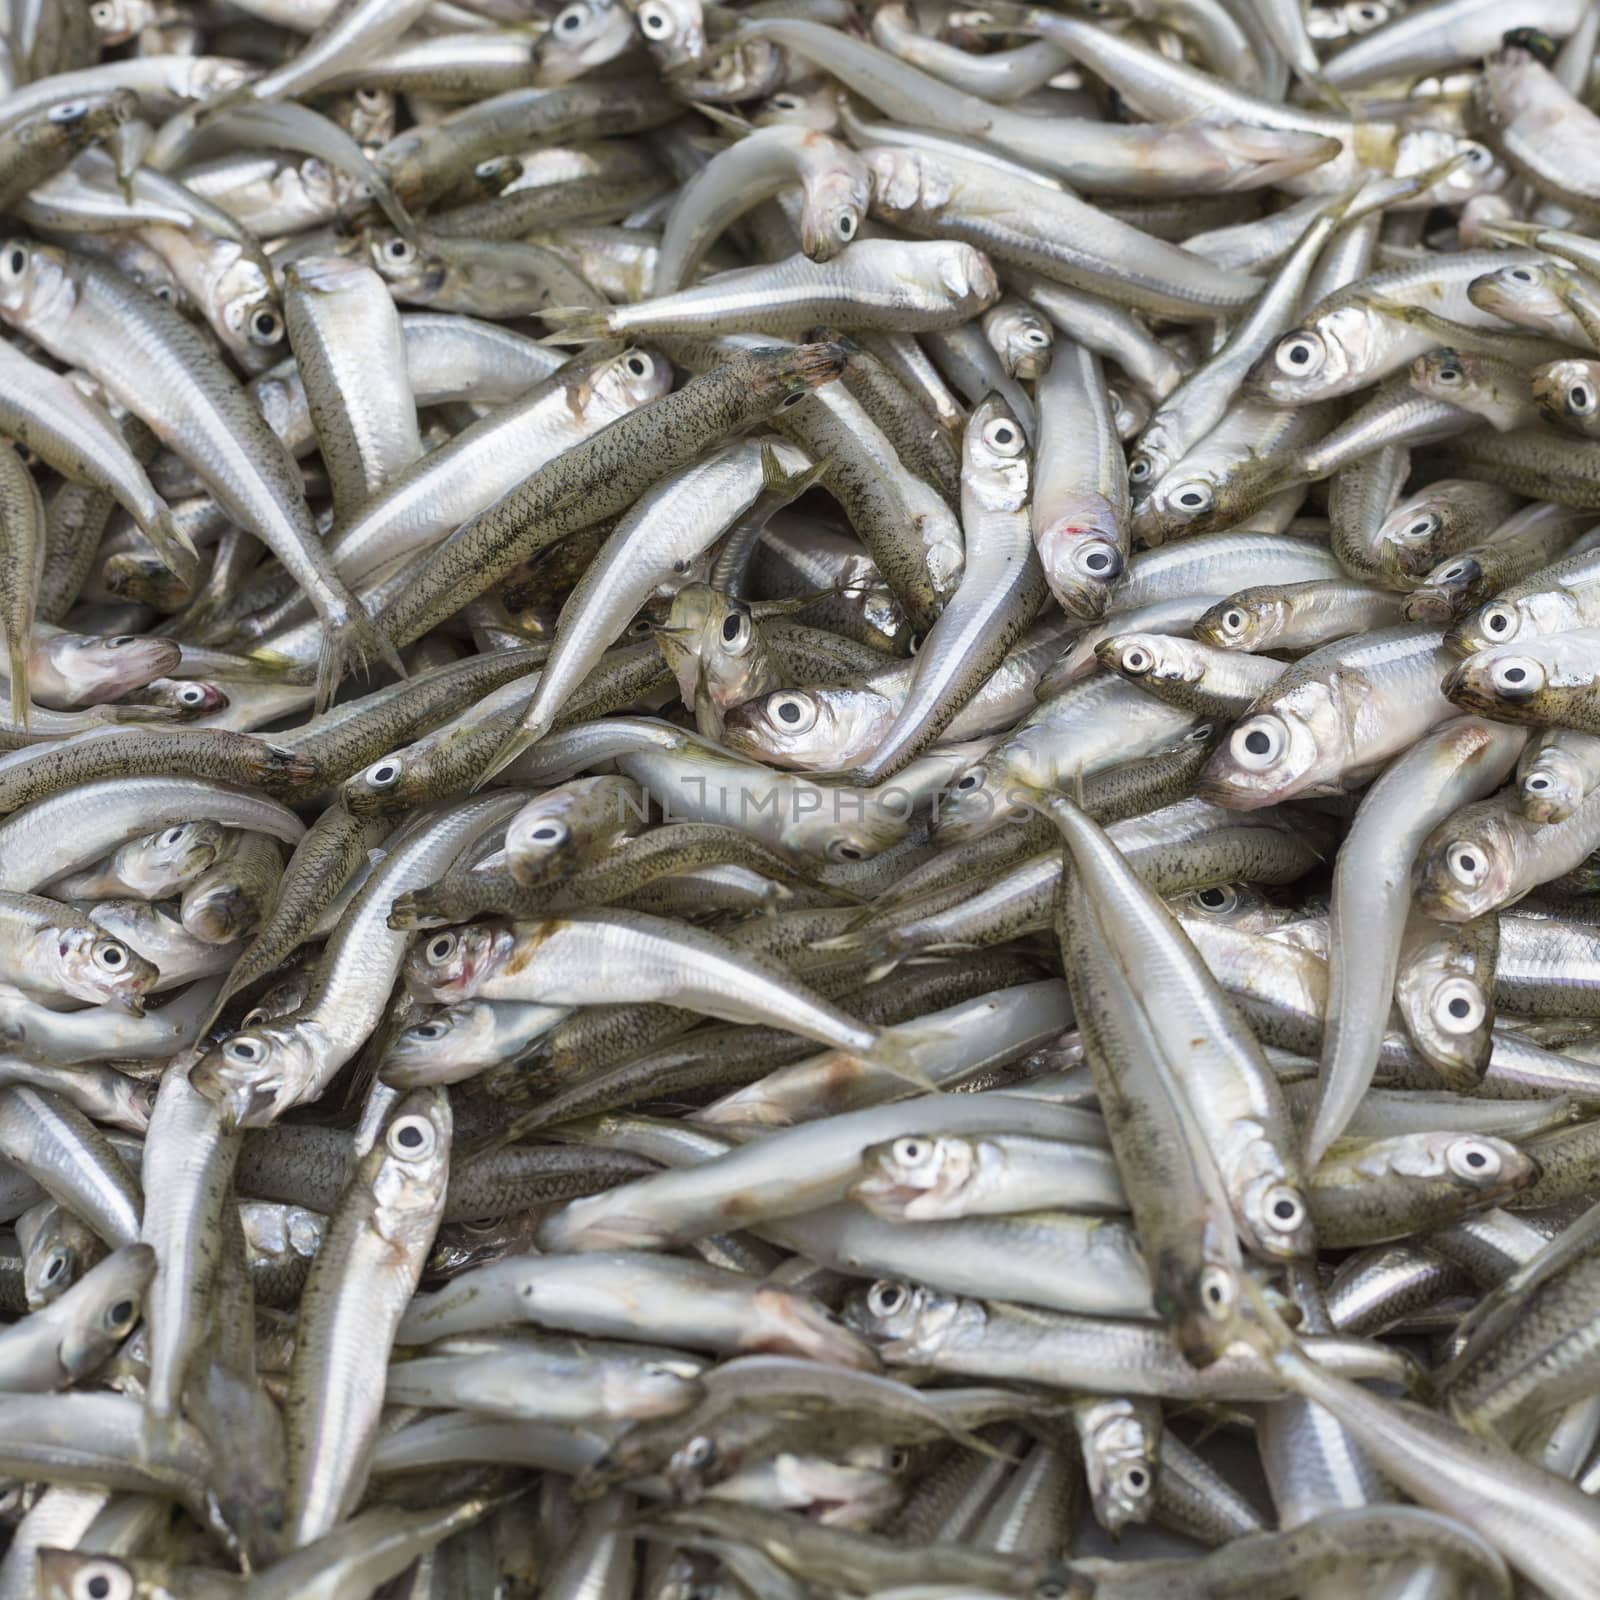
x=17, y=648
x=575, y=325
x=173, y=544
x=351, y=639
x=518, y=742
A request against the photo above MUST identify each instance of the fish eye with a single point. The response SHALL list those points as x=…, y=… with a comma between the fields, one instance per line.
x=1466, y=865
x=887, y=1297
x=16, y=262
x=1299, y=354
x=1102, y=562
x=655, y=21
x=700, y=1451
x=102, y=14
x=430, y=1030
x=1003, y=437
x=1521, y=275
x=1449, y=374
x=1284, y=1209
x=69, y=111
x=244, y=1049
x=111, y=955
x=1516, y=678
x=1259, y=743
x=1140, y=468
x=1499, y=620
x=1036, y=337
x=58, y=1265
x=790, y=401
x=911, y=1151
x=786, y=102
x=442, y=948
x=847, y=852
x=411, y=1138
x=1195, y=498
x=1473, y=1159
x=174, y=837
x=165, y=293
x=1459, y=1006
x=1476, y=155
x=571, y=19
x=968, y=781
x=796, y=713
x=1216, y=1291
x=1199, y=735
x=1424, y=526
x=102, y=1580
x=847, y=225
x=121, y=1314
x=732, y=626
x=638, y=365
x=1580, y=400
x=192, y=696
x=400, y=250
x=383, y=774
x=1135, y=1480
x=1218, y=898
x=266, y=326
x=1136, y=660
x=548, y=833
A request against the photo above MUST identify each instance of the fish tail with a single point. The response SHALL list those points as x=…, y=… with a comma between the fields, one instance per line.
x=173, y=544
x=520, y=740
x=17, y=649
x=575, y=325
x=895, y=1052
x=351, y=639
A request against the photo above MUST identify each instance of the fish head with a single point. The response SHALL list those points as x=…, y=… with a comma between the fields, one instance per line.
x=407, y=1168
x=162, y=863
x=1552, y=785
x=917, y=1177
x=1446, y=1010
x=258, y=1073
x=1274, y=1210
x=1249, y=620
x=412, y=272
x=100, y=969
x=1120, y=1451
x=1496, y=680
x=1528, y=293
x=95, y=669
x=733, y=71
x=1487, y=1166
x=996, y=465
x=1149, y=656
x=625, y=381
x=1473, y=169
x=1568, y=392
x=836, y=200
x=110, y=1297
x=810, y=728
x=380, y=789
x=582, y=35
x=1267, y=757
x=1328, y=356
x=981, y=799
x=909, y=1321
x=36, y=284
x=1082, y=551
x=1466, y=866
x=1522, y=617
x=446, y=965
x=674, y=31
x=117, y=21
x=77, y=1575
x=452, y=1043
x=1022, y=338
x=801, y=106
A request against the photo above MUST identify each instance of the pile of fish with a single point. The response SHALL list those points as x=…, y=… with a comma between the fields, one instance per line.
x=800, y=802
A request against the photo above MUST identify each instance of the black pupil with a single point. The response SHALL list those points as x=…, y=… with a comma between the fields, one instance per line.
x=1136, y=1479
x=1096, y=562
x=730, y=629
x=122, y=1311
x=410, y=1137
x=54, y=1269
x=1469, y=863
x=1002, y=436
x=1515, y=674
x=570, y=21
x=99, y=1588
x=1475, y=1158
x=1580, y=396
x=441, y=948
x=1257, y=743
x=1189, y=499
x=1498, y=624
x=1299, y=354
x=397, y=248
x=1212, y=898
x=636, y=367
x=383, y=774
x=1459, y=1008
x=265, y=323
x=18, y=261
x=113, y=958
x=789, y=711
x=1283, y=1210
